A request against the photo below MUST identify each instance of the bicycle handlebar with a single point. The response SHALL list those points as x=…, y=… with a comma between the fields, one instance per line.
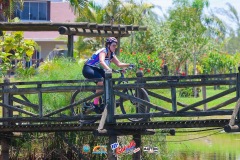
x=121, y=70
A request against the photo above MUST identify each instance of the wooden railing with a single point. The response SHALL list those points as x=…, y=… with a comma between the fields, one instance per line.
x=15, y=97
x=18, y=108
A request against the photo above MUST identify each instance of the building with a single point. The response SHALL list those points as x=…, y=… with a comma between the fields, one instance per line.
x=46, y=11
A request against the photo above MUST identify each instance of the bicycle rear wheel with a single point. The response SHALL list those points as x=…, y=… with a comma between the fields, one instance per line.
x=78, y=109
x=130, y=107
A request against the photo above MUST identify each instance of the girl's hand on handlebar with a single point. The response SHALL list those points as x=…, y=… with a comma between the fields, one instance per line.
x=123, y=70
x=131, y=66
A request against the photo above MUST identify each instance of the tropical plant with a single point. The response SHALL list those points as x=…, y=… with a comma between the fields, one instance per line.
x=218, y=62
x=13, y=48
x=115, y=12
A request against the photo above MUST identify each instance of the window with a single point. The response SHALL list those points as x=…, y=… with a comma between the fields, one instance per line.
x=34, y=11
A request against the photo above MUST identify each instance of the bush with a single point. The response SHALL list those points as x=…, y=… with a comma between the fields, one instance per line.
x=188, y=92
x=150, y=64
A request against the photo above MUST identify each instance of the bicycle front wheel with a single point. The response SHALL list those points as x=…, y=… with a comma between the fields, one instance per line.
x=77, y=96
x=131, y=107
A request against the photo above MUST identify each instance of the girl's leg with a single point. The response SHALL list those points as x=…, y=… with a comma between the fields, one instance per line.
x=92, y=72
x=96, y=99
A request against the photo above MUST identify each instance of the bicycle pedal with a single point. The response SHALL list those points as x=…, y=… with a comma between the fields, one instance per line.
x=88, y=107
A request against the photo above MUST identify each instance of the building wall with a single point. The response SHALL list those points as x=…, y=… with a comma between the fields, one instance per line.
x=60, y=11
x=48, y=46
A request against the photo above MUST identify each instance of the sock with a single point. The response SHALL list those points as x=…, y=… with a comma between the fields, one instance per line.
x=96, y=101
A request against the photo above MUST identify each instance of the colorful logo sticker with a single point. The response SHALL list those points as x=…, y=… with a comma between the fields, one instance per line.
x=86, y=148
x=102, y=149
x=150, y=149
x=127, y=149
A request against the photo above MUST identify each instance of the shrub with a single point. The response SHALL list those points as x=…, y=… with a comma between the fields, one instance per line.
x=150, y=64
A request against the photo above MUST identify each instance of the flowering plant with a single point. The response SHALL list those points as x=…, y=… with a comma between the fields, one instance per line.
x=150, y=64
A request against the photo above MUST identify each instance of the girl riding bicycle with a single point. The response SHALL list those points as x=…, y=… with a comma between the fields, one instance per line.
x=100, y=61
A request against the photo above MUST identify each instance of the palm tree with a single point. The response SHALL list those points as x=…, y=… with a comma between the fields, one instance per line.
x=133, y=13
x=8, y=9
x=232, y=45
x=233, y=15
x=78, y=4
x=115, y=12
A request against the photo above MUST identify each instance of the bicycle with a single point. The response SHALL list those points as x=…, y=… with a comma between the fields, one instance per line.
x=126, y=106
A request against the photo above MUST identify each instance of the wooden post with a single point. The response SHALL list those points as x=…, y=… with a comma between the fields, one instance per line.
x=173, y=96
x=174, y=99
x=204, y=94
x=5, y=114
x=215, y=72
x=40, y=101
x=238, y=89
x=110, y=102
x=118, y=49
x=137, y=137
x=165, y=70
x=70, y=46
x=230, y=70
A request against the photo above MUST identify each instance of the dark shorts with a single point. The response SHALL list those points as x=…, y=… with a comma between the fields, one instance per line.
x=90, y=72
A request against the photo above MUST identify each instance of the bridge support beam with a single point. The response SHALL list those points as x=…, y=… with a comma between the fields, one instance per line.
x=238, y=90
x=70, y=46
x=137, y=139
x=232, y=127
x=110, y=103
x=5, y=113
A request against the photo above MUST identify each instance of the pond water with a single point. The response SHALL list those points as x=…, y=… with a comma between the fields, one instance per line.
x=192, y=144
x=211, y=145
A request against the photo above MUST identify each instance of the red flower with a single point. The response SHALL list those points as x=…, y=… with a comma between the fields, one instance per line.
x=183, y=74
x=148, y=70
x=121, y=50
x=141, y=69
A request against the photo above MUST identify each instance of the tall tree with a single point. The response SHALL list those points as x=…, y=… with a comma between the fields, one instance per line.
x=187, y=31
x=232, y=45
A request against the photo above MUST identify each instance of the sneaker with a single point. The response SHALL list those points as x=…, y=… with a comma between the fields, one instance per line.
x=87, y=107
x=102, y=107
x=97, y=109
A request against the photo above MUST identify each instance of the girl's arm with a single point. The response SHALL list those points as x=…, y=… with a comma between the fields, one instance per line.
x=118, y=63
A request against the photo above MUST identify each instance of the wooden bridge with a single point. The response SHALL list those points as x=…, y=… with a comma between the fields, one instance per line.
x=24, y=106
